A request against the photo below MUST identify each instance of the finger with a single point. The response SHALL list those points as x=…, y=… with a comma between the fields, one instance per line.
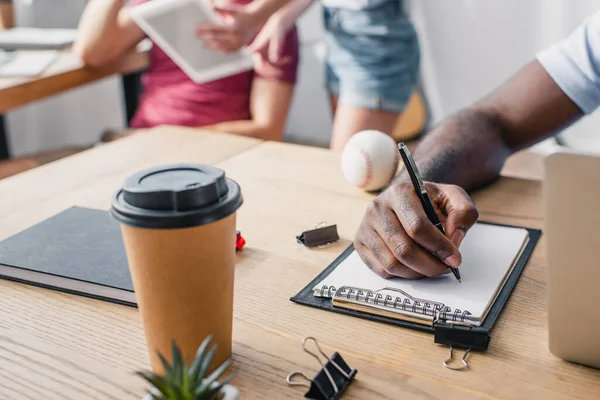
x=210, y=36
x=219, y=45
x=369, y=259
x=275, y=49
x=461, y=213
x=224, y=40
x=405, y=249
x=284, y=60
x=228, y=18
x=203, y=30
x=266, y=69
x=413, y=218
x=378, y=257
x=228, y=8
x=257, y=59
x=259, y=43
x=260, y=64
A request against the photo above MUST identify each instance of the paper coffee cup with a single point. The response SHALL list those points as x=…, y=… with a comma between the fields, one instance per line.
x=178, y=226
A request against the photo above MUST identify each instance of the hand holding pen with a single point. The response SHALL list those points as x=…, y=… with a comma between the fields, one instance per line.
x=421, y=191
x=398, y=236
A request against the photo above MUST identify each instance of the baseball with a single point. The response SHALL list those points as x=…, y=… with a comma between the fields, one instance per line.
x=370, y=160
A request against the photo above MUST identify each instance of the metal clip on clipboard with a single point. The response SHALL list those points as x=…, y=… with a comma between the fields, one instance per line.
x=461, y=335
x=330, y=382
x=449, y=328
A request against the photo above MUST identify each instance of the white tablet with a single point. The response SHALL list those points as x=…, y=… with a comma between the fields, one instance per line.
x=172, y=25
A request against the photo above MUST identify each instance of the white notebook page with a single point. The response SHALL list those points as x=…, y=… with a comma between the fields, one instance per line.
x=488, y=253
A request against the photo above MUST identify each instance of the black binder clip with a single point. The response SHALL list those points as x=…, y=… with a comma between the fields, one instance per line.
x=321, y=236
x=456, y=334
x=330, y=382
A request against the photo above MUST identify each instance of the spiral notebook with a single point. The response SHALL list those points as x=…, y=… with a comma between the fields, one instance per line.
x=493, y=258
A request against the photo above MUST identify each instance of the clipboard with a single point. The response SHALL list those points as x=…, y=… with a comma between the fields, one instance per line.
x=457, y=335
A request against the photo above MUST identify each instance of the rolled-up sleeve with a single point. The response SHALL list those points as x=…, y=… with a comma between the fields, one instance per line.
x=574, y=64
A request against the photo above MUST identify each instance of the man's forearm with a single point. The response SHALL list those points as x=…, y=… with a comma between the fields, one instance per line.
x=470, y=148
x=466, y=150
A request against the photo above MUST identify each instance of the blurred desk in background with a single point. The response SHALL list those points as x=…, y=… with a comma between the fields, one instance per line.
x=68, y=72
x=65, y=73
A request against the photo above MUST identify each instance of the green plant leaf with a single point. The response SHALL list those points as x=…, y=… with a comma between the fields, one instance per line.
x=202, y=390
x=177, y=363
x=166, y=367
x=185, y=380
x=219, y=371
x=195, y=368
x=157, y=382
x=180, y=395
x=210, y=385
x=228, y=380
x=204, y=366
x=182, y=382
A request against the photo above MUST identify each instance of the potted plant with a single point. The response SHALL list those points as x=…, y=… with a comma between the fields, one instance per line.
x=180, y=382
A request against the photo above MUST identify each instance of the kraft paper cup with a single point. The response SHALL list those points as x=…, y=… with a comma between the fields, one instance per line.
x=179, y=226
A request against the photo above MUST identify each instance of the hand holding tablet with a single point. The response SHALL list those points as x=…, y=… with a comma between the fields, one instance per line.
x=173, y=25
x=240, y=26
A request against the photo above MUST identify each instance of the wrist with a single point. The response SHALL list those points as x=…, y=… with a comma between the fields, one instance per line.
x=284, y=20
x=292, y=11
x=259, y=12
x=262, y=10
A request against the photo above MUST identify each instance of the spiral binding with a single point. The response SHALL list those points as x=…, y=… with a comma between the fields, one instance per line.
x=405, y=303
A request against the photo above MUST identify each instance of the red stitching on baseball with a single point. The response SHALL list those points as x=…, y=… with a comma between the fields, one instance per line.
x=369, y=174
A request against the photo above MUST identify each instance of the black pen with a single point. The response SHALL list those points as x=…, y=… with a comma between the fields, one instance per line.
x=417, y=182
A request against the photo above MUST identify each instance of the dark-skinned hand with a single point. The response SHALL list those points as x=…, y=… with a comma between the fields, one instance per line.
x=396, y=239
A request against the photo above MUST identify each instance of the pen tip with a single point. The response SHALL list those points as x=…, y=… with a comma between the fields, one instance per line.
x=460, y=281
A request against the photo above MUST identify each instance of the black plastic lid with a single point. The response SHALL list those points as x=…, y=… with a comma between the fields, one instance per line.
x=176, y=196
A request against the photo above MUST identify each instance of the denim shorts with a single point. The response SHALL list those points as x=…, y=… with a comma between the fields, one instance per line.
x=372, y=56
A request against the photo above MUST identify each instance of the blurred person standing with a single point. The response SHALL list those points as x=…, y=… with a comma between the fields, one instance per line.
x=372, y=60
x=253, y=103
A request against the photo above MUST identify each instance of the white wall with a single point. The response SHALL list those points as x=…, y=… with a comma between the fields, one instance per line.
x=310, y=118
x=472, y=46
x=469, y=48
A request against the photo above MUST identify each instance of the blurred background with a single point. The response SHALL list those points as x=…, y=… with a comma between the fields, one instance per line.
x=469, y=47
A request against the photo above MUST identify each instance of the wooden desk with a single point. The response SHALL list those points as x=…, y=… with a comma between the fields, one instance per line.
x=67, y=72
x=67, y=347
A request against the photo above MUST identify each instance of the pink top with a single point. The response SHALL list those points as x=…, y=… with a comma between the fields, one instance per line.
x=170, y=97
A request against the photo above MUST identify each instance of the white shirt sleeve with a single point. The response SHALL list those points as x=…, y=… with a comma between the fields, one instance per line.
x=574, y=64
